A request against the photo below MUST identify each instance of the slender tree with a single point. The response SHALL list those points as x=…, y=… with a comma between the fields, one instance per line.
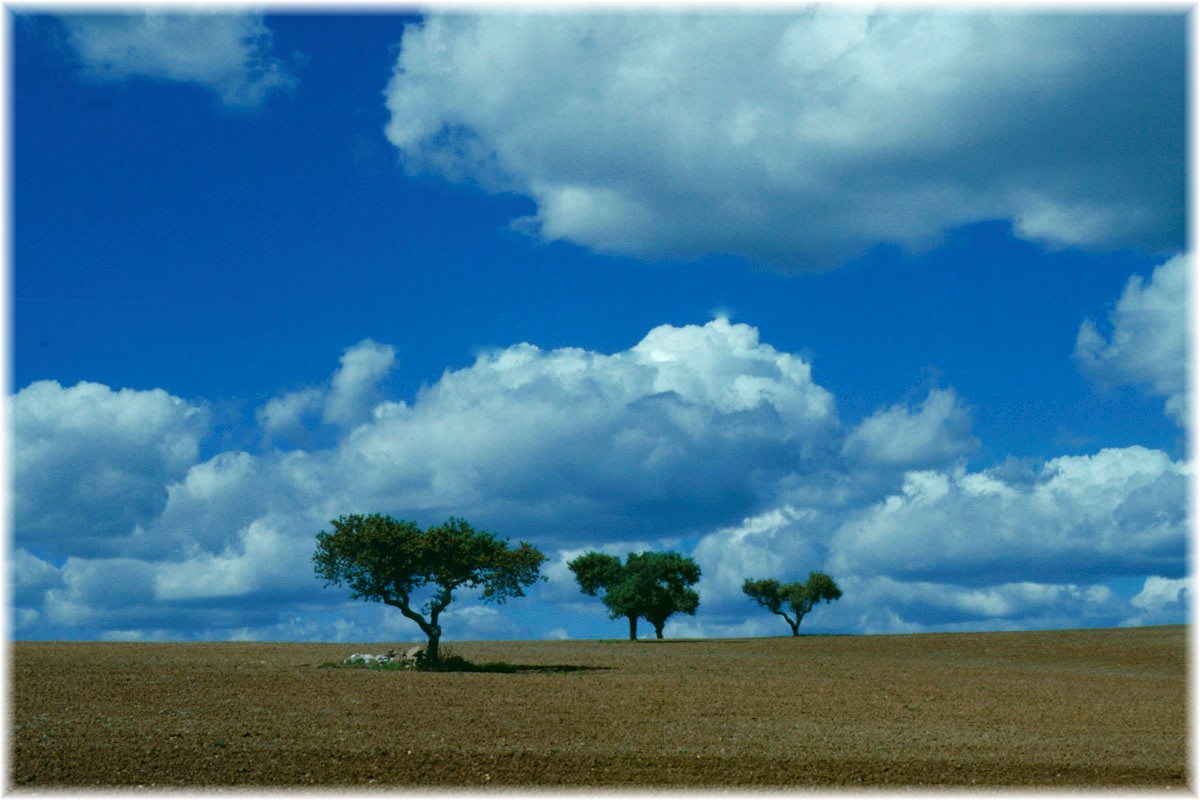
x=393, y=561
x=798, y=598
x=650, y=585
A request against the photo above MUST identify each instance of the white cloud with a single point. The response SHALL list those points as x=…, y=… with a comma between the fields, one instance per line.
x=348, y=399
x=1117, y=512
x=90, y=463
x=31, y=573
x=286, y=414
x=785, y=543
x=696, y=434
x=1162, y=601
x=101, y=590
x=1158, y=592
x=634, y=448
x=477, y=622
x=263, y=559
x=690, y=423
x=884, y=605
x=31, y=578
x=802, y=140
x=1147, y=341
x=937, y=433
x=226, y=54
x=354, y=392
x=955, y=550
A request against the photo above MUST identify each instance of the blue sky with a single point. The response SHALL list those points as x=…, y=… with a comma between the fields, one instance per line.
x=900, y=297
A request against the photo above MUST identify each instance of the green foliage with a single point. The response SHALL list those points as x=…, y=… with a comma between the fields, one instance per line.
x=650, y=585
x=596, y=571
x=382, y=559
x=798, y=598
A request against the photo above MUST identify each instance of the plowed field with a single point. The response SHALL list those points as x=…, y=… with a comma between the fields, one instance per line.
x=1088, y=708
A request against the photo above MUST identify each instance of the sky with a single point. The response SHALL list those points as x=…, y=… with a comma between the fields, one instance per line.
x=898, y=296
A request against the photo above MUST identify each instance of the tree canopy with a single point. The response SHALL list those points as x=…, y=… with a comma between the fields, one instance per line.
x=799, y=598
x=386, y=560
x=651, y=585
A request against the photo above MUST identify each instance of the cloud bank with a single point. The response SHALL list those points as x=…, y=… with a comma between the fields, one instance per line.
x=803, y=140
x=702, y=438
x=229, y=55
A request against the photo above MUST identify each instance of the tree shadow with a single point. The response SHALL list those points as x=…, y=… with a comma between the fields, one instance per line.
x=458, y=664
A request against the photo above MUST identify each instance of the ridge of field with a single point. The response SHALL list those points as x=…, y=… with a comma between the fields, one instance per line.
x=1078, y=708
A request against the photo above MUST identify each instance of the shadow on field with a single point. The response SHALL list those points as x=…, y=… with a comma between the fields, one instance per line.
x=723, y=641
x=456, y=664
x=658, y=642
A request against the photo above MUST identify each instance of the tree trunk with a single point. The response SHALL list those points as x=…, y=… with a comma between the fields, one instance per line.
x=658, y=630
x=633, y=627
x=430, y=628
x=795, y=627
x=434, y=632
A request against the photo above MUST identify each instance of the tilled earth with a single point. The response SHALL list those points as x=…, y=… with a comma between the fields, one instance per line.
x=1092, y=708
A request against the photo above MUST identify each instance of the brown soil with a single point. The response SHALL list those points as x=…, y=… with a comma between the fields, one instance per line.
x=1057, y=708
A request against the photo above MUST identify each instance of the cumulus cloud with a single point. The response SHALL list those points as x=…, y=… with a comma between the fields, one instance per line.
x=884, y=605
x=802, y=140
x=700, y=438
x=1146, y=343
x=288, y=414
x=960, y=550
x=102, y=591
x=756, y=548
x=31, y=573
x=31, y=578
x=1161, y=601
x=1118, y=512
x=90, y=463
x=348, y=399
x=354, y=390
x=936, y=433
x=226, y=54
x=263, y=560
x=690, y=424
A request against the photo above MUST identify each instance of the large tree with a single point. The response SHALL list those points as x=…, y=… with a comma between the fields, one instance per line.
x=393, y=561
x=652, y=585
x=799, y=598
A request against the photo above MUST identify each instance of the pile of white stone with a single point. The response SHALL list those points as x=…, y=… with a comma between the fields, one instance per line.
x=408, y=659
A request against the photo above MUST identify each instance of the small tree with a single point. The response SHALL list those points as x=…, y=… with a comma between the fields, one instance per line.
x=798, y=597
x=387, y=560
x=650, y=585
